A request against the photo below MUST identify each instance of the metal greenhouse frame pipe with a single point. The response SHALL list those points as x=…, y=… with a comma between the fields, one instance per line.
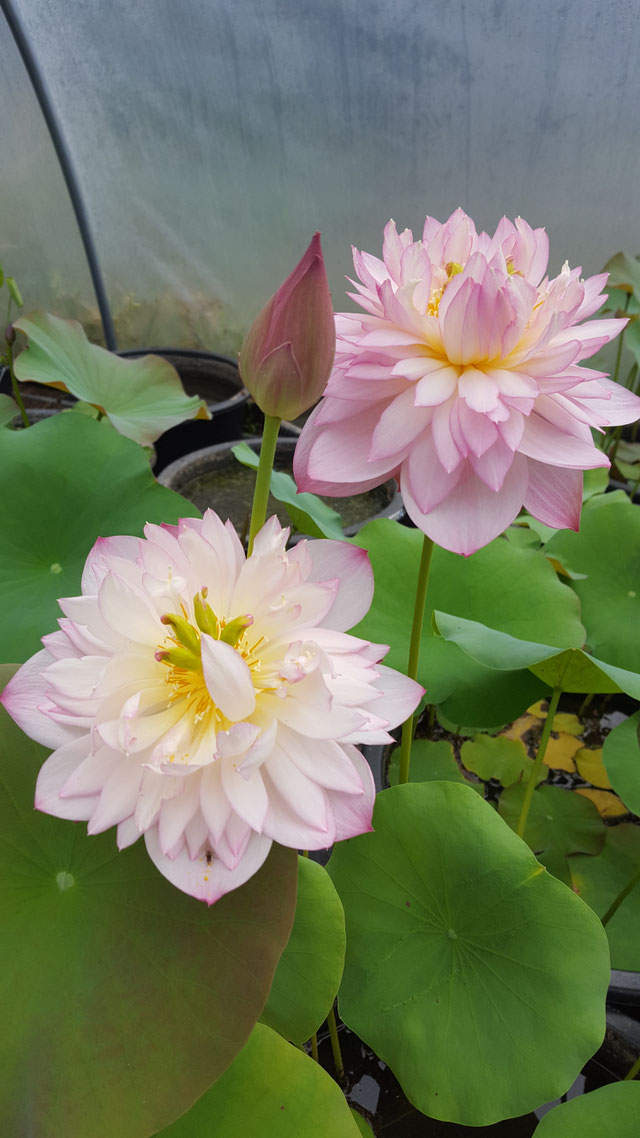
x=66, y=165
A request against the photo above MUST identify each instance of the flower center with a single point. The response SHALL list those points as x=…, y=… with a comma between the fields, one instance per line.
x=181, y=653
x=452, y=268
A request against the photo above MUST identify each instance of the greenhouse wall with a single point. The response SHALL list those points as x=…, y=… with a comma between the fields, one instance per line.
x=210, y=139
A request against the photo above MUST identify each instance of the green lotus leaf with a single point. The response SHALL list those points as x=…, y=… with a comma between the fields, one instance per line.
x=431, y=761
x=607, y=551
x=126, y=997
x=271, y=1090
x=63, y=483
x=608, y=1112
x=509, y=588
x=8, y=410
x=572, y=670
x=310, y=969
x=621, y=758
x=142, y=397
x=494, y=756
x=467, y=964
x=600, y=879
x=560, y=823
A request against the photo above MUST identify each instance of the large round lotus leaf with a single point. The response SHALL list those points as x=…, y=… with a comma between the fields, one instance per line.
x=122, y=998
x=310, y=969
x=63, y=483
x=609, y=1112
x=621, y=758
x=479, y=978
x=506, y=587
x=271, y=1090
x=607, y=551
x=560, y=823
x=600, y=879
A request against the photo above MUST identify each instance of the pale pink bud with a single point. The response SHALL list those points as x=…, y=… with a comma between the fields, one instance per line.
x=287, y=355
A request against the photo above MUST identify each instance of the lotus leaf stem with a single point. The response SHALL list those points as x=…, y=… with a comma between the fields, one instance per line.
x=542, y=747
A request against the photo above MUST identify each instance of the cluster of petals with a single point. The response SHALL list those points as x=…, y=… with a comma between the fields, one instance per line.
x=463, y=380
x=210, y=701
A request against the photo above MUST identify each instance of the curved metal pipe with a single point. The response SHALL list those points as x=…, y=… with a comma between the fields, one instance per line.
x=66, y=165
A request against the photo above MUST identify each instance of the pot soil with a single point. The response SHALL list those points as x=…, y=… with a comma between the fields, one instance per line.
x=215, y=379
x=214, y=478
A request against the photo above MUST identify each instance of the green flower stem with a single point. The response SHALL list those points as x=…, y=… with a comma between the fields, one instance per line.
x=542, y=747
x=612, y=450
x=314, y=1047
x=414, y=651
x=263, y=477
x=615, y=905
x=16, y=387
x=634, y=1070
x=335, y=1044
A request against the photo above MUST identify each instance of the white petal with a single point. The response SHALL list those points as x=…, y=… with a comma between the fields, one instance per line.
x=228, y=679
x=207, y=879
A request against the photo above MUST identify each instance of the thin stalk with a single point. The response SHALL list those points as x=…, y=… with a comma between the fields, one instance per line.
x=263, y=477
x=615, y=905
x=585, y=705
x=535, y=771
x=335, y=1044
x=617, y=434
x=314, y=1047
x=634, y=1070
x=16, y=387
x=414, y=651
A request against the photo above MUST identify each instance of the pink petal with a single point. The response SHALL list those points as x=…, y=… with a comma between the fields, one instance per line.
x=399, y=424
x=472, y=515
x=25, y=698
x=53, y=775
x=303, y=795
x=95, y=568
x=446, y=449
x=428, y=481
x=436, y=387
x=479, y=391
x=492, y=467
x=207, y=879
x=248, y=796
x=352, y=569
x=352, y=814
x=228, y=678
x=400, y=695
x=334, y=459
x=554, y=495
x=548, y=444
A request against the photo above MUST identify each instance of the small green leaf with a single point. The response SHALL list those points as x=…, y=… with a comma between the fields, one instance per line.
x=600, y=879
x=560, y=823
x=608, y=1112
x=621, y=758
x=308, y=513
x=142, y=397
x=456, y=934
x=8, y=410
x=310, y=969
x=362, y=1124
x=271, y=1090
x=12, y=285
x=493, y=756
x=431, y=761
x=594, y=482
x=624, y=272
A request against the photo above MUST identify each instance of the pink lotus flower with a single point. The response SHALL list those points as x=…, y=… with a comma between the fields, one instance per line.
x=463, y=381
x=286, y=358
x=212, y=702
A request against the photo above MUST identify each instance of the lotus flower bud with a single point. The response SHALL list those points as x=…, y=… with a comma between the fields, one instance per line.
x=287, y=355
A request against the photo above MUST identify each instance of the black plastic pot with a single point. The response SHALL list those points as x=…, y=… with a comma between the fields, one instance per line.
x=215, y=379
x=212, y=477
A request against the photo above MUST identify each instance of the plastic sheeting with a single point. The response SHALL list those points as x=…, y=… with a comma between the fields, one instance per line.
x=212, y=137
